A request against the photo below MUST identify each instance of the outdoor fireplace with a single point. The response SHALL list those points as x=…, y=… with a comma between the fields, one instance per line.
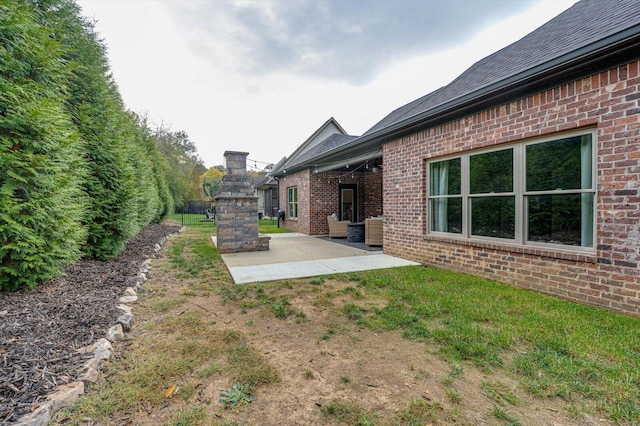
x=237, y=209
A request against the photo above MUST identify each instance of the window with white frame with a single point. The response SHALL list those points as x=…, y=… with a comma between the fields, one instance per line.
x=537, y=193
x=292, y=200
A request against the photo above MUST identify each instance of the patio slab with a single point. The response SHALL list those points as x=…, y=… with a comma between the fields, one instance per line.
x=301, y=256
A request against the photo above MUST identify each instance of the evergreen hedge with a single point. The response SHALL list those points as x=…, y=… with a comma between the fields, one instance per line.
x=79, y=174
x=41, y=168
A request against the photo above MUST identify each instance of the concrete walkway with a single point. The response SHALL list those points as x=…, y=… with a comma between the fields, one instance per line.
x=295, y=255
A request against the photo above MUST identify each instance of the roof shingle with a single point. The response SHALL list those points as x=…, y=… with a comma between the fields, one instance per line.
x=586, y=22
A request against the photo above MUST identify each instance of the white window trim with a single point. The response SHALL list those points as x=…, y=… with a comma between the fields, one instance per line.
x=519, y=173
x=289, y=202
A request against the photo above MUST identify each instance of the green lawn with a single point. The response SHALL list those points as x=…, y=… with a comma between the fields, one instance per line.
x=265, y=226
x=556, y=349
x=586, y=358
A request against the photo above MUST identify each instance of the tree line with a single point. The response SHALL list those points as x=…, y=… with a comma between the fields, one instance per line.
x=79, y=173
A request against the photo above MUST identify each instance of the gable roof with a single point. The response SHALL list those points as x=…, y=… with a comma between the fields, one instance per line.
x=589, y=37
x=328, y=136
x=330, y=127
x=334, y=141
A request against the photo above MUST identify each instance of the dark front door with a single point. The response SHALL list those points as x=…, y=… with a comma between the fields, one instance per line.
x=349, y=202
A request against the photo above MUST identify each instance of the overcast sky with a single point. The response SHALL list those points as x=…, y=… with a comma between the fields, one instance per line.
x=261, y=76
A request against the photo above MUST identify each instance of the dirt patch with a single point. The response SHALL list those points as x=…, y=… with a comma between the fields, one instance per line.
x=324, y=359
x=332, y=369
x=42, y=330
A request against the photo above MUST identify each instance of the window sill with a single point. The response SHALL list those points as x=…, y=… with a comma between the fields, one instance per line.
x=551, y=253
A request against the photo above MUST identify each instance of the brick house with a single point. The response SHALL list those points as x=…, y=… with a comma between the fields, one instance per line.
x=524, y=169
x=311, y=188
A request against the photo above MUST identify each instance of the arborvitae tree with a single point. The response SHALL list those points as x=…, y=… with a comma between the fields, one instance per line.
x=99, y=114
x=159, y=169
x=78, y=172
x=41, y=202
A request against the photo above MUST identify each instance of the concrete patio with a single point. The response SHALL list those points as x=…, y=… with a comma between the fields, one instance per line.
x=294, y=255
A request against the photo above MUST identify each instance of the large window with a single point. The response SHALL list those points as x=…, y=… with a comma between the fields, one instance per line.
x=292, y=200
x=537, y=193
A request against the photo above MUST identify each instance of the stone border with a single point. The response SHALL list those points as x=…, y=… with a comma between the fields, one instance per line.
x=66, y=395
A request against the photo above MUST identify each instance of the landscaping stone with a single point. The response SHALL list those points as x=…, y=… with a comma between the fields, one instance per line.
x=102, y=349
x=90, y=308
x=65, y=395
x=125, y=320
x=130, y=292
x=89, y=375
x=115, y=333
x=123, y=307
x=40, y=417
x=91, y=363
x=128, y=299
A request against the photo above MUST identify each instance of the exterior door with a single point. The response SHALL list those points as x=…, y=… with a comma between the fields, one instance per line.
x=349, y=202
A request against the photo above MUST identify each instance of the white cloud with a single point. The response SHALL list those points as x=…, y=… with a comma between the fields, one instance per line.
x=254, y=76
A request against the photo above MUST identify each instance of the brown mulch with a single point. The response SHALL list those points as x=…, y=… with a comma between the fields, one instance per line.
x=42, y=330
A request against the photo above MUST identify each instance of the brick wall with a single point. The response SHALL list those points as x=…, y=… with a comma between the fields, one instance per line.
x=319, y=194
x=608, y=278
x=301, y=181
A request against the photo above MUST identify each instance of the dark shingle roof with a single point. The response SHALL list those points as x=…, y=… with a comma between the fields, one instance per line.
x=585, y=23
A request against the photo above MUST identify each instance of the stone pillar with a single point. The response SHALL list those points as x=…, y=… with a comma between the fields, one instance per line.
x=237, y=209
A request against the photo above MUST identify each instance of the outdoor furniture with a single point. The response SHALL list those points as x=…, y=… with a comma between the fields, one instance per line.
x=337, y=228
x=211, y=215
x=373, y=231
x=355, y=232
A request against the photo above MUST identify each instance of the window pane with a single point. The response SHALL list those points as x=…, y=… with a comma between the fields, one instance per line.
x=444, y=177
x=493, y=217
x=446, y=215
x=561, y=219
x=491, y=172
x=561, y=164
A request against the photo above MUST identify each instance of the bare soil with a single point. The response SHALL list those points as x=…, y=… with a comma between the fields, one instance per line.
x=324, y=359
x=42, y=330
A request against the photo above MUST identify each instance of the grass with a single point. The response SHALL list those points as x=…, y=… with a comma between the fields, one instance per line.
x=349, y=414
x=193, y=220
x=585, y=357
x=177, y=352
x=555, y=348
x=189, y=416
x=499, y=393
x=502, y=414
x=268, y=226
x=417, y=412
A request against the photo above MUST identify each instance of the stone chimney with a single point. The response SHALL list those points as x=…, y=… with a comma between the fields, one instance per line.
x=237, y=209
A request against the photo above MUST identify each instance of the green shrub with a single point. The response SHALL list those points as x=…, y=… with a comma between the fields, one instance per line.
x=41, y=168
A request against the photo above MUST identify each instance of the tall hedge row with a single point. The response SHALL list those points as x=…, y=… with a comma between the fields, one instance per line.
x=79, y=175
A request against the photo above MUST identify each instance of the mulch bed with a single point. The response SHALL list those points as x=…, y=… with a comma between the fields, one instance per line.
x=42, y=330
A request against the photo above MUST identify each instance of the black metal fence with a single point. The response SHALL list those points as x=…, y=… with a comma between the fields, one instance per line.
x=203, y=213
x=196, y=213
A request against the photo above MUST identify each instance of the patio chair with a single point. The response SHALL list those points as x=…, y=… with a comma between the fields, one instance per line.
x=373, y=231
x=337, y=228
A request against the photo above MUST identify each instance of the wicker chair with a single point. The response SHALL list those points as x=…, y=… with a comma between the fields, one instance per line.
x=337, y=228
x=373, y=231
